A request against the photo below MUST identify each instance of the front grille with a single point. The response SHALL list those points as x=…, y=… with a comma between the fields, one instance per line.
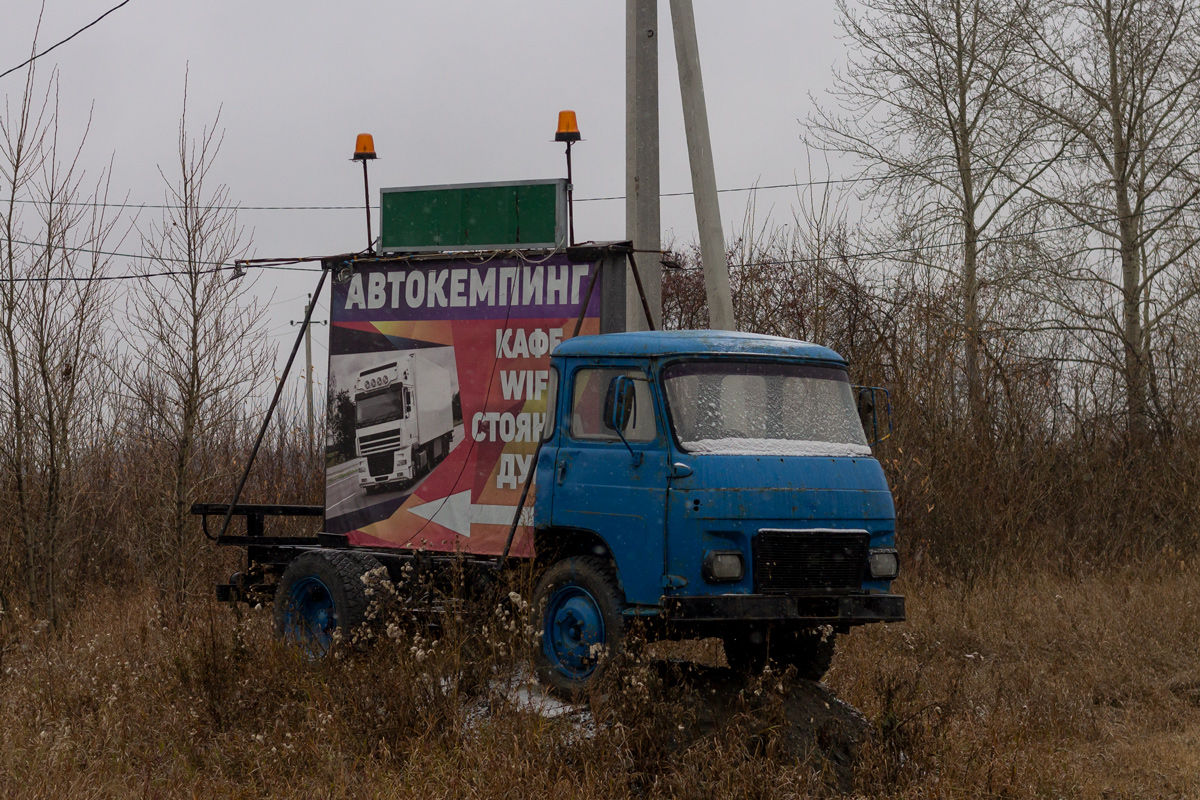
x=378, y=442
x=382, y=447
x=799, y=560
x=380, y=463
x=379, y=437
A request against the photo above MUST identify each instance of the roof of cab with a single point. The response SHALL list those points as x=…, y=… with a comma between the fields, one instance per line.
x=674, y=343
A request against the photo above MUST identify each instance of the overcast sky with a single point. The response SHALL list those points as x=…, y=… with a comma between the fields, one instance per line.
x=452, y=92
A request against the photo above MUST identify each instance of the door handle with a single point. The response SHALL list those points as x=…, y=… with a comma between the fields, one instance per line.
x=562, y=472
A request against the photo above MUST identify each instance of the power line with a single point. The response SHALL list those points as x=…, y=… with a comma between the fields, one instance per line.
x=926, y=248
x=101, y=278
x=164, y=206
x=753, y=188
x=880, y=178
x=211, y=266
x=33, y=58
x=119, y=255
x=215, y=266
x=783, y=262
x=288, y=300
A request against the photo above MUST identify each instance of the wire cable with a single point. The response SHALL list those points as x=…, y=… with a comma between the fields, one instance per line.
x=753, y=188
x=35, y=57
x=210, y=266
x=281, y=264
x=925, y=248
x=865, y=254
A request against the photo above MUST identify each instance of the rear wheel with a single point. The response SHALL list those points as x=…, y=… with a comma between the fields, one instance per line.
x=319, y=593
x=581, y=623
x=366, y=561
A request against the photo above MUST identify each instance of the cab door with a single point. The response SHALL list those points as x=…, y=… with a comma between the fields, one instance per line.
x=615, y=488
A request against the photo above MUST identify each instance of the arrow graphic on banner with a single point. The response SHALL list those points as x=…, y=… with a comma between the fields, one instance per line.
x=458, y=513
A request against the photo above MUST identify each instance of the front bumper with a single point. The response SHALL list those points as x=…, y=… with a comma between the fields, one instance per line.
x=403, y=472
x=840, y=610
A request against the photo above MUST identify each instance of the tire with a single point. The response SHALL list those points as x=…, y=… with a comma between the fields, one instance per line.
x=579, y=610
x=366, y=561
x=321, y=591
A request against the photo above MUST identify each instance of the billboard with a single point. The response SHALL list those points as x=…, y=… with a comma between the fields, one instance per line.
x=438, y=369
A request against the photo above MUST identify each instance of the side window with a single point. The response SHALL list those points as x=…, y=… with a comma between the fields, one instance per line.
x=551, y=405
x=587, y=406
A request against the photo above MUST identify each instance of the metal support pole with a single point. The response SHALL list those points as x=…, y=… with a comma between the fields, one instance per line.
x=587, y=300
x=642, y=217
x=704, y=179
x=570, y=198
x=262, y=432
x=308, y=368
x=367, y=195
x=637, y=279
x=512, y=530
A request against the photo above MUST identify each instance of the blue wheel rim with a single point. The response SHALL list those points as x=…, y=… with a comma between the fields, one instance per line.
x=573, y=627
x=310, y=617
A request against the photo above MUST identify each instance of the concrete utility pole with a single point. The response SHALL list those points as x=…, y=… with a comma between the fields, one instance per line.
x=704, y=179
x=642, y=219
x=308, y=366
x=308, y=371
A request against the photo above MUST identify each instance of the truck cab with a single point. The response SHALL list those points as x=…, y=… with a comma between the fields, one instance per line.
x=709, y=484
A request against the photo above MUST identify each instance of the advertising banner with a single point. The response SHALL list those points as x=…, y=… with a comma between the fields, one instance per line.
x=438, y=372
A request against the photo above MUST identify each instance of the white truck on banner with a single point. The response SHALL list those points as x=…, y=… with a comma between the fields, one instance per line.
x=404, y=422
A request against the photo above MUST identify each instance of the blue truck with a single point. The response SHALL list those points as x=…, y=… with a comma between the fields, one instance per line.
x=698, y=483
x=708, y=484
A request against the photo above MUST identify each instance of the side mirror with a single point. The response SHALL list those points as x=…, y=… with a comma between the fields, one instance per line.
x=619, y=410
x=619, y=404
x=874, y=412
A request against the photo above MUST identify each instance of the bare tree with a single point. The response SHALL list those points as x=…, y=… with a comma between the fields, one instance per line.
x=54, y=305
x=1120, y=81
x=196, y=336
x=926, y=105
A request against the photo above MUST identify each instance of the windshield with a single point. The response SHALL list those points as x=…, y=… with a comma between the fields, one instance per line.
x=746, y=408
x=374, y=408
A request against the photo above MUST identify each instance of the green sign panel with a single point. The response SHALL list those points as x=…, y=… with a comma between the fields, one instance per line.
x=473, y=216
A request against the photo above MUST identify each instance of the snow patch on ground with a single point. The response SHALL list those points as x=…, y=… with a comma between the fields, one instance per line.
x=533, y=697
x=525, y=694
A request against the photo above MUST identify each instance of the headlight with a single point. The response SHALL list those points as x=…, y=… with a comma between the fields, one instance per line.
x=884, y=564
x=723, y=565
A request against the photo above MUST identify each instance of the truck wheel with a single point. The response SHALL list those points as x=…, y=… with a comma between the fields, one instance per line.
x=320, y=592
x=805, y=650
x=581, y=623
x=366, y=561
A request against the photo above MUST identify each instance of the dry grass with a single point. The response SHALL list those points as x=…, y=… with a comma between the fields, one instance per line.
x=1031, y=686
x=1035, y=686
